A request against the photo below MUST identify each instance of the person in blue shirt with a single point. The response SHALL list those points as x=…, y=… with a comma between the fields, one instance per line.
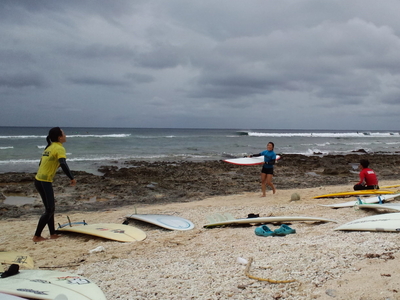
x=267, y=171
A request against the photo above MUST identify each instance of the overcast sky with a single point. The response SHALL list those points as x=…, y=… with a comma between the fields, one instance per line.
x=287, y=64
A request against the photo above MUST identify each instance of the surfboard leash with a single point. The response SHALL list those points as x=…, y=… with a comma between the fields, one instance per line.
x=247, y=272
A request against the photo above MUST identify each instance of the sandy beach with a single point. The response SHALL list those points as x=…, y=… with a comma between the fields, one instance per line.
x=202, y=263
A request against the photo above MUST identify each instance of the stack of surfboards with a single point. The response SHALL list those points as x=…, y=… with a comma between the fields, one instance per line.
x=369, y=200
x=362, y=192
x=356, y=193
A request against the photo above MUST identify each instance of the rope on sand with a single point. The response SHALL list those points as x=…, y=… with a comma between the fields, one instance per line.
x=247, y=272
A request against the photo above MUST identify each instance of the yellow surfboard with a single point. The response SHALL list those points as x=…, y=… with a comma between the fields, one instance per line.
x=356, y=193
x=390, y=186
x=13, y=257
x=116, y=232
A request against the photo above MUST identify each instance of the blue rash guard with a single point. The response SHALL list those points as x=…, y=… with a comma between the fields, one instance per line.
x=269, y=158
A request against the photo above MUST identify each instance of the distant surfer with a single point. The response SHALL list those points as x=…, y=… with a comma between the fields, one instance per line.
x=368, y=179
x=267, y=171
x=53, y=157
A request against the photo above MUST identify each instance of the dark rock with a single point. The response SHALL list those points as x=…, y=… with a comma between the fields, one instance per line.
x=182, y=181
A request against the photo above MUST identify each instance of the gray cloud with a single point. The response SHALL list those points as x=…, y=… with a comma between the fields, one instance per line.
x=139, y=78
x=179, y=63
x=20, y=80
x=96, y=81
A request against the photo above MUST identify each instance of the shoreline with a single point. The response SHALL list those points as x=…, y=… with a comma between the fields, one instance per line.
x=141, y=182
x=202, y=263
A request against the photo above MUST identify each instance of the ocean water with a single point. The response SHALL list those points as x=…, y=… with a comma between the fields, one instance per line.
x=90, y=148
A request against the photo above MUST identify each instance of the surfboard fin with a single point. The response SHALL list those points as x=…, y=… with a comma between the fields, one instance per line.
x=12, y=270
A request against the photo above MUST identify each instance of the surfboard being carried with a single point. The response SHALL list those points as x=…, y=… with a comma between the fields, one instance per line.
x=370, y=200
x=46, y=284
x=382, y=222
x=248, y=161
x=116, y=232
x=165, y=221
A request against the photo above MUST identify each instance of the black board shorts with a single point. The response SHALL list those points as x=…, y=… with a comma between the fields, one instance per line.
x=267, y=170
x=360, y=187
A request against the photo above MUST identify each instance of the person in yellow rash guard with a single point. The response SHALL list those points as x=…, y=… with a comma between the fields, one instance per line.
x=53, y=157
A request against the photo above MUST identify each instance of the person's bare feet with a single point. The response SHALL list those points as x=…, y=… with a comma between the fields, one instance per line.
x=37, y=239
x=263, y=196
x=54, y=236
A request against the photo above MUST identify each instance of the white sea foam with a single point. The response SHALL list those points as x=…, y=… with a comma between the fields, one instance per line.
x=90, y=147
x=98, y=135
x=19, y=161
x=68, y=136
x=321, y=134
x=22, y=136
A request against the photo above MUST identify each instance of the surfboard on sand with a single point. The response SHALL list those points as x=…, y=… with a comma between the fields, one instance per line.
x=390, y=186
x=165, y=221
x=111, y=231
x=365, y=201
x=226, y=219
x=248, y=161
x=356, y=193
x=47, y=284
x=387, y=206
x=381, y=222
x=10, y=297
x=13, y=257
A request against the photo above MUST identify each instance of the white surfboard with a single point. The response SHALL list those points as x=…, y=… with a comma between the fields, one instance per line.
x=267, y=220
x=248, y=161
x=165, y=221
x=13, y=257
x=387, y=206
x=365, y=200
x=116, y=232
x=10, y=297
x=382, y=222
x=46, y=284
